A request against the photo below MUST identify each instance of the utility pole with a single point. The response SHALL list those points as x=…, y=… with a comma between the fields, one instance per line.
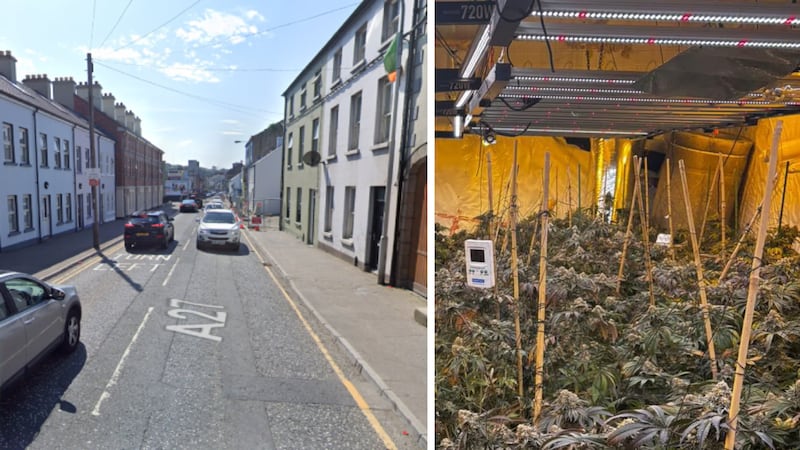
x=94, y=184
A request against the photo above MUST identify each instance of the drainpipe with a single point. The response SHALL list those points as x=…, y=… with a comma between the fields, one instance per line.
x=283, y=164
x=382, y=250
x=36, y=170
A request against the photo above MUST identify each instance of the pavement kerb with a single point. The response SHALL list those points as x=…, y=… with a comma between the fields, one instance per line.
x=356, y=359
x=78, y=259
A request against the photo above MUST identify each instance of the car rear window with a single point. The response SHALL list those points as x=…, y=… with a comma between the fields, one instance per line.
x=219, y=217
x=144, y=220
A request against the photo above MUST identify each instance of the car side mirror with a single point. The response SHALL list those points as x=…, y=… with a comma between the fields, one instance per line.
x=57, y=294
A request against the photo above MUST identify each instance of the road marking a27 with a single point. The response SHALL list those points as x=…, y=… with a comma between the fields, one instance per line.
x=203, y=330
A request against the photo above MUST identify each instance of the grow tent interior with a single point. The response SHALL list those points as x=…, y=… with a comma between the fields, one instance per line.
x=594, y=83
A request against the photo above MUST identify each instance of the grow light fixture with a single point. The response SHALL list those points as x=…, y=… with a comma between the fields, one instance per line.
x=574, y=90
x=788, y=20
x=686, y=101
x=660, y=41
x=476, y=54
x=571, y=132
x=586, y=80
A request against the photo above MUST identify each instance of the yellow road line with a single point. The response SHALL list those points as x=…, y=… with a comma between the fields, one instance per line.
x=357, y=397
x=83, y=266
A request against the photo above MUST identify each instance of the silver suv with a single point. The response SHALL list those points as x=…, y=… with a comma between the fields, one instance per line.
x=219, y=228
x=35, y=318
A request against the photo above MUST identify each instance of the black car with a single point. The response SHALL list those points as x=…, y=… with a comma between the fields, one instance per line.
x=149, y=228
x=189, y=205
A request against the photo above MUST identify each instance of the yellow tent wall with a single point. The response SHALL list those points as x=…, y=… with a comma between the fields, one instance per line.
x=461, y=188
x=789, y=152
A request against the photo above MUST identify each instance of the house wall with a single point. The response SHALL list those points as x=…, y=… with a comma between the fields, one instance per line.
x=265, y=176
x=55, y=182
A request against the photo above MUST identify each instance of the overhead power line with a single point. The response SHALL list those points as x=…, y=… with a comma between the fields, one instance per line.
x=117, y=22
x=91, y=33
x=160, y=26
x=220, y=103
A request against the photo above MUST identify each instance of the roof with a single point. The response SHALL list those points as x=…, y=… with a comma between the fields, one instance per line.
x=24, y=94
x=622, y=68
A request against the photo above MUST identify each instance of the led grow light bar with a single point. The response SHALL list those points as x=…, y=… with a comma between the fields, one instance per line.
x=686, y=101
x=574, y=90
x=660, y=41
x=567, y=131
x=572, y=79
x=788, y=20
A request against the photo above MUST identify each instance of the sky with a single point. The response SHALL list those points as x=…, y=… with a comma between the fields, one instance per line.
x=200, y=74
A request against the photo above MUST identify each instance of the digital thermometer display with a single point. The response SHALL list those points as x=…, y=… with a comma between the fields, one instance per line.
x=480, y=263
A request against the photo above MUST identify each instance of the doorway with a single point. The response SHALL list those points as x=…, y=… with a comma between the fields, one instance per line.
x=47, y=228
x=312, y=208
x=377, y=201
x=79, y=203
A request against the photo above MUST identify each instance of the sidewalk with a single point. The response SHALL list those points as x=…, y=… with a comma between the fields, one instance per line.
x=375, y=324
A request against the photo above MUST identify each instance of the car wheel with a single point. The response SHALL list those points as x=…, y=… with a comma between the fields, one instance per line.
x=128, y=246
x=199, y=247
x=165, y=243
x=235, y=247
x=72, y=332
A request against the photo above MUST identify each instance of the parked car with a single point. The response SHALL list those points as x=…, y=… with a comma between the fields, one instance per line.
x=35, y=318
x=188, y=205
x=219, y=228
x=213, y=205
x=149, y=228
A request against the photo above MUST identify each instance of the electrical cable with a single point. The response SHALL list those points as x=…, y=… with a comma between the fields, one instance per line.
x=546, y=37
x=159, y=27
x=447, y=48
x=91, y=33
x=119, y=19
x=514, y=19
x=530, y=103
x=231, y=106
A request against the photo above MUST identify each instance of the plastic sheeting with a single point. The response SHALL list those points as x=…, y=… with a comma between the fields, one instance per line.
x=461, y=186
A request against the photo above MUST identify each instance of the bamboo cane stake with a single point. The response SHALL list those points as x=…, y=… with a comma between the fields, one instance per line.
x=540, y=306
x=515, y=270
x=569, y=195
x=745, y=232
x=491, y=195
x=669, y=213
x=646, y=210
x=722, y=204
x=708, y=203
x=648, y=264
x=533, y=241
x=629, y=229
x=752, y=293
x=699, y=268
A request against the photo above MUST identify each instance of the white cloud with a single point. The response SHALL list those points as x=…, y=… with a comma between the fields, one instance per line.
x=189, y=72
x=218, y=25
x=232, y=133
x=253, y=14
x=231, y=121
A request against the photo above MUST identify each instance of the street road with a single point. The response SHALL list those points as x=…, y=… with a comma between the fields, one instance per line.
x=194, y=349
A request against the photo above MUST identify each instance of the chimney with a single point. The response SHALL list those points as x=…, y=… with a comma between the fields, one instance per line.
x=83, y=90
x=40, y=84
x=137, y=126
x=8, y=66
x=97, y=96
x=108, y=104
x=129, y=120
x=64, y=91
x=119, y=113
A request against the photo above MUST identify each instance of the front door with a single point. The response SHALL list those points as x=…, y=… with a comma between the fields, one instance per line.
x=376, y=226
x=79, y=203
x=45, y=214
x=312, y=207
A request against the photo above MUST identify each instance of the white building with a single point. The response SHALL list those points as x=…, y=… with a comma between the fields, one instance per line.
x=264, y=185
x=360, y=146
x=39, y=185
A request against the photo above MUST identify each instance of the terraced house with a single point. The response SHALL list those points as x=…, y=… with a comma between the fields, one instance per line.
x=362, y=119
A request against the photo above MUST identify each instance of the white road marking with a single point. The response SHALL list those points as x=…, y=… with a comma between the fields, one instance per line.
x=118, y=370
x=177, y=260
x=186, y=245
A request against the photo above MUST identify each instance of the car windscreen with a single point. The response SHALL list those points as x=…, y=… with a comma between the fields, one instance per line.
x=215, y=217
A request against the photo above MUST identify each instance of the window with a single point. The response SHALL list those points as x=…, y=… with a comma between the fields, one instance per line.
x=317, y=84
x=349, y=211
x=57, y=154
x=391, y=18
x=289, y=153
x=299, y=201
x=360, y=48
x=78, y=160
x=334, y=127
x=88, y=157
x=383, y=116
x=302, y=144
x=315, y=135
x=329, y=209
x=303, y=99
x=8, y=142
x=88, y=205
x=13, y=222
x=337, y=65
x=43, y=145
x=66, y=154
x=69, y=207
x=288, y=202
x=60, y=208
x=25, y=156
x=27, y=212
x=355, y=121
x=291, y=106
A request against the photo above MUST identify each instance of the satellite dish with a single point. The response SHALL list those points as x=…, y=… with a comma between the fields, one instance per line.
x=312, y=158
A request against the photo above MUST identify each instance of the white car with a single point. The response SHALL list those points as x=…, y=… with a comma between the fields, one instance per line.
x=219, y=228
x=213, y=205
